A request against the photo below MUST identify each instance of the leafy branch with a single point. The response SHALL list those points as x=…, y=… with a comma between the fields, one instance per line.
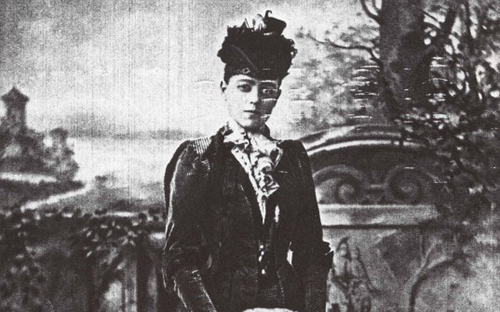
x=359, y=47
x=103, y=241
x=427, y=269
x=22, y=285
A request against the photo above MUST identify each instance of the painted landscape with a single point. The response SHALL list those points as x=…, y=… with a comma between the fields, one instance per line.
x=396, y=102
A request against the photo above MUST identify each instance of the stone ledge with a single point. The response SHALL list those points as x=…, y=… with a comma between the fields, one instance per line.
x=373, y=216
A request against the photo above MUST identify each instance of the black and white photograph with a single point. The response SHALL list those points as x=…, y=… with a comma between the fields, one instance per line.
x=249, y=156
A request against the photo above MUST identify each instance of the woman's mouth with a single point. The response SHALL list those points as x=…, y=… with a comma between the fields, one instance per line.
x=253, y=113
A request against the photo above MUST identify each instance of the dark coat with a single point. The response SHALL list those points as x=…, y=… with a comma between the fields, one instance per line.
x=213, y=226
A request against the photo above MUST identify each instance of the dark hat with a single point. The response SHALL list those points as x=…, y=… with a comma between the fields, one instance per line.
x=259, y=50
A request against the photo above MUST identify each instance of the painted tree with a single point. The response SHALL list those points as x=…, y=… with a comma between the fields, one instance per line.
x=393, y=41
x=438, y=77
x=460, y=121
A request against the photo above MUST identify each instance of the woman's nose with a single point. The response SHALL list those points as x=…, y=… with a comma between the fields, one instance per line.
x=254, y=96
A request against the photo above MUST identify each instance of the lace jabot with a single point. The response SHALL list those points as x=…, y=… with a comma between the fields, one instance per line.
x=258, y=155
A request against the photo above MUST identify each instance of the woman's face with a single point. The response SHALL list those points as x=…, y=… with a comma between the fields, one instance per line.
x=250, y=101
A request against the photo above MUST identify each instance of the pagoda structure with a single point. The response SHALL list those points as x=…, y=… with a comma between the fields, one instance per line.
x=15, y=105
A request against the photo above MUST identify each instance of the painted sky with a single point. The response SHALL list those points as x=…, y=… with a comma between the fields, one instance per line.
x=127, y=66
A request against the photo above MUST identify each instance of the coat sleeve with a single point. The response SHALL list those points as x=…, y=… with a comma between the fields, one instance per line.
x=185, y=251
x=311, y=255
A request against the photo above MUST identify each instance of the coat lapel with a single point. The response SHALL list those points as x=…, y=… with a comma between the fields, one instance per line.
x=286, y=196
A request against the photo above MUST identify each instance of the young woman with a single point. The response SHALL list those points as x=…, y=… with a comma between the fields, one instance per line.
x=239, y=201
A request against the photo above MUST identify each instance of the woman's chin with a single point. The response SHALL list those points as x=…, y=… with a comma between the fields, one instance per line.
x=251, y=125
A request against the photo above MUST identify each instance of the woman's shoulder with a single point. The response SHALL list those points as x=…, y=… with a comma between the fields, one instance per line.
x=292, y=146
x=189, y=159
x=199, y=145
x=193, y=147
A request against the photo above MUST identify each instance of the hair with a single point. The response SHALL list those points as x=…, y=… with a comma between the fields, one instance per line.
x=228, y=73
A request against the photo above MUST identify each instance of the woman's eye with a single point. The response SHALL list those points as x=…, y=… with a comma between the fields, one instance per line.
x=270, y=92
x=245, y=87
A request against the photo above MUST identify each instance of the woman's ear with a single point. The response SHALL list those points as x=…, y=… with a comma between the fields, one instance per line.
x=223, y=86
